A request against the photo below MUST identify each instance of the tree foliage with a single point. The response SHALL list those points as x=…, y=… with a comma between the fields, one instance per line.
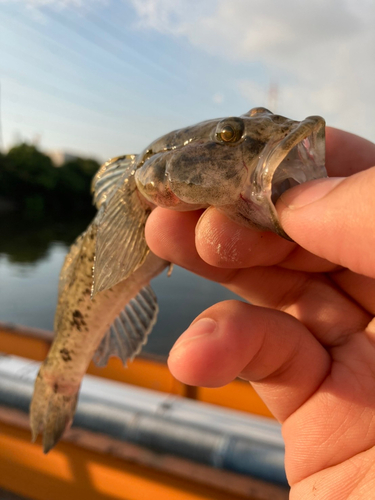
x=29, y=178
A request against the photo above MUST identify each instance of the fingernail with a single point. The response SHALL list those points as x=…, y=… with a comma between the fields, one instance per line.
x=199, y=329
x=310, y=192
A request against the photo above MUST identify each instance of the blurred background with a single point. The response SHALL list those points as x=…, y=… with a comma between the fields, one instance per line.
x=85, y=80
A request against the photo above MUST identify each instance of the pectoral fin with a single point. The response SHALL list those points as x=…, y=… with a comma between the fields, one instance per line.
x=120, y=244
x=130, y=330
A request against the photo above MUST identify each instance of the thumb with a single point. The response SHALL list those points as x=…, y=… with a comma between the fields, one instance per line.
x=334, y=218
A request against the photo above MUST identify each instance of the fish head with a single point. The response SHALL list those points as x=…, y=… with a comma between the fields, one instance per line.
x=241, y=165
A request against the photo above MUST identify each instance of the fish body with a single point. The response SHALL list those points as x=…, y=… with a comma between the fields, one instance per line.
x=240, y=165
x=127, y=311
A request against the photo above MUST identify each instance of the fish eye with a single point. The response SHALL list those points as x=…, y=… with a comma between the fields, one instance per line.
x=227, y=134
x=230, y=131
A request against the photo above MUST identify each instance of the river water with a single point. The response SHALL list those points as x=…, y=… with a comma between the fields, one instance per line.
x=31, y=255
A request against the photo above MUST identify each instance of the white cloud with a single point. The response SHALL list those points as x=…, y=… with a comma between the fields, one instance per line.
x=321, y=53
x=171, y=16
x=243, y=29
x=218, y=98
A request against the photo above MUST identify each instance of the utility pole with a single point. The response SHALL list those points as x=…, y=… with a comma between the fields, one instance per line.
x=273, y=94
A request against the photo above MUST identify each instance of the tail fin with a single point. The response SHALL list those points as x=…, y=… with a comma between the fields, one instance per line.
x=51, y=412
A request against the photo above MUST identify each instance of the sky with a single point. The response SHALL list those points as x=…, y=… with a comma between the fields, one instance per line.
x=101, y=78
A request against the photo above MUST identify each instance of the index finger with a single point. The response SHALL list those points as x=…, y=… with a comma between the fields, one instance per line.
x=347, y=153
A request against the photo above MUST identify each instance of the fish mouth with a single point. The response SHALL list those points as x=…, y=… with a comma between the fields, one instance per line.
x=296, y=158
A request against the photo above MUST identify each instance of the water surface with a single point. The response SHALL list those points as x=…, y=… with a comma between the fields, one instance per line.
x=31, y=255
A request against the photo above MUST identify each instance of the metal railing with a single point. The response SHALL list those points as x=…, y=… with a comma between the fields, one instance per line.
x=222, y=438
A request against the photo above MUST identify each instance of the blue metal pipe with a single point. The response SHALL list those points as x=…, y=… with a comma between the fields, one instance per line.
x=200, y=432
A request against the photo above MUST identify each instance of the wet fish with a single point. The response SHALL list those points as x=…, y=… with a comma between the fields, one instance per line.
x=240, y=165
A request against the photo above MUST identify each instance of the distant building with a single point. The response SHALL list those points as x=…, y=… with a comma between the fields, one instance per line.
x=61, y=157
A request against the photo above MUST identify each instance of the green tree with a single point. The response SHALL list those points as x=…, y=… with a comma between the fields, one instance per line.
x=6, y=177
x=29, y=177
x=74, y=183
x=32, y=168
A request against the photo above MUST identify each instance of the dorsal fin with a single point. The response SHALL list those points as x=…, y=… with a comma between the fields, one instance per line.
x=72, y=259
x=129, y=331
x=108, y=176
x=70, y=263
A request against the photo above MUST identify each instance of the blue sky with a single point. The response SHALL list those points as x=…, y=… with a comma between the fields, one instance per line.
x=106, y=77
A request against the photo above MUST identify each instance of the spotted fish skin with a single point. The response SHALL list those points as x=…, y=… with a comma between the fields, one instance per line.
x=80, y=323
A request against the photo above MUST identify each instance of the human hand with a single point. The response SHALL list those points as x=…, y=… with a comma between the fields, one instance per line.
x=307, y=342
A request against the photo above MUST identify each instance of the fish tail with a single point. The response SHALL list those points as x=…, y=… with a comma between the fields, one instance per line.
x=51, y=412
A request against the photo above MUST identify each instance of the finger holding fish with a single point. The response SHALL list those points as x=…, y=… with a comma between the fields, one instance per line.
x=347, y=153
x=313, y=299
